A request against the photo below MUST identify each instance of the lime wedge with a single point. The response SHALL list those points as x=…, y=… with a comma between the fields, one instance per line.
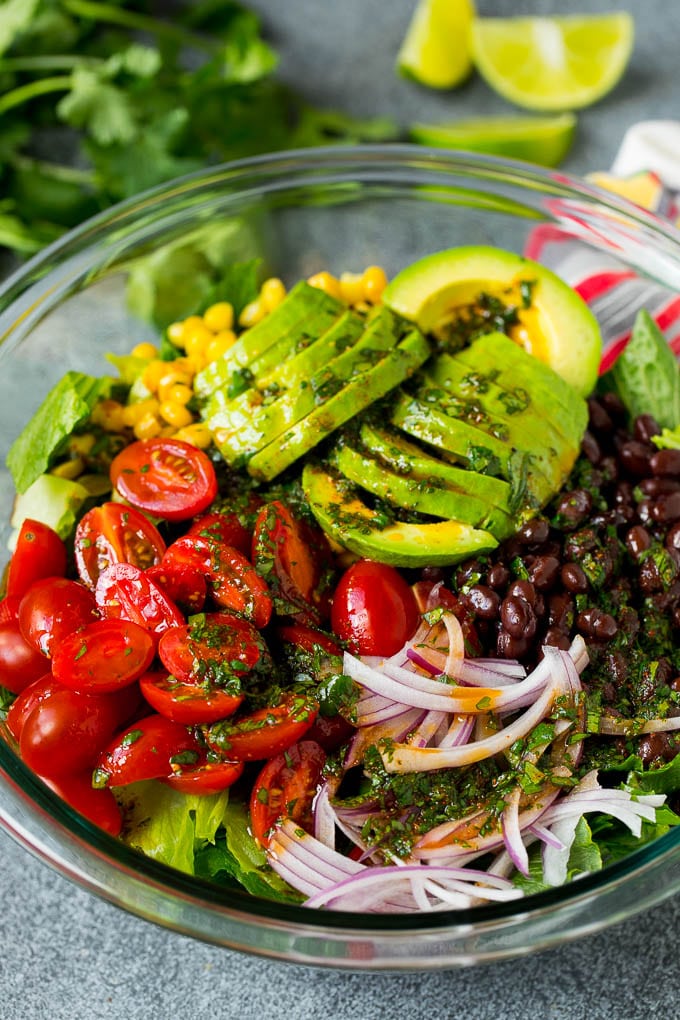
x=544, y=140
x=436, y=48
x=553, y=63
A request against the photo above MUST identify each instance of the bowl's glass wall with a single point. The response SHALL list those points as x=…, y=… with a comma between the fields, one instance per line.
x=336, y=210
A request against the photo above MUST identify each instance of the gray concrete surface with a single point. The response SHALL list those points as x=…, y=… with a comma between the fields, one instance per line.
x=66, y=954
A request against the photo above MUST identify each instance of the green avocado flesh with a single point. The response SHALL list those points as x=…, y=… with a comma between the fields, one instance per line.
x=350, y=522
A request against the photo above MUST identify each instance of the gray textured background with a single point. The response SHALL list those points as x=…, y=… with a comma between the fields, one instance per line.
x=66, y=954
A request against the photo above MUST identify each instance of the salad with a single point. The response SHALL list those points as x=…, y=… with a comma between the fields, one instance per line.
x=358, y=594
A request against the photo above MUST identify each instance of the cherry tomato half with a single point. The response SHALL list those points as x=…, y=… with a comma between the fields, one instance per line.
x=20, y=662
x=39, y=552
x=286, y=786
x=53, y=608
x=65, y=731
x=308, y=639
x=103, y=657
x=216, y=649
x=374, y=609
x=183, y=583
x=9, y=608
x=146, y=750
x=206, y=777
x=264, y=733
x=24, y=703
x=296, y=560
x=115, y=533
x=233, y=581
x=223, y=527
x=98, y=806
x=167, y=478
x=188, y=703
x=124, y=592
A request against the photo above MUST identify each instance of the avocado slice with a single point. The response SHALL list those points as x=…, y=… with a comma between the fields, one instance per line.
x=427, y=495
x=554, y=324
x=304, y=314
x=362, y=389
x=244, y=434
x=350, y=522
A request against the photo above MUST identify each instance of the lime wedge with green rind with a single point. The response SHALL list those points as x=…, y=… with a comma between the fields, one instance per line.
x=544, y=140
x=553, y=63
x=436, y=48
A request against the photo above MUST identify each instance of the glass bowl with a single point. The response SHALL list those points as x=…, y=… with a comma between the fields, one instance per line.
x=335, y=209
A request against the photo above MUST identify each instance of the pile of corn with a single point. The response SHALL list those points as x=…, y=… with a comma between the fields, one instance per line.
x=203, y=339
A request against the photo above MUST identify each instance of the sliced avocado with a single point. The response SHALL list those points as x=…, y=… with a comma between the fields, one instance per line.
x=553, y=322
x=429, y=495
x=245, y=432
x=351, y=523
x=304, y=314
x=362, y=389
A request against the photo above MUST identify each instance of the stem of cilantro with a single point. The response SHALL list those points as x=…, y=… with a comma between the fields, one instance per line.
x=24, y=93
x=49, y=62
x=96, y=11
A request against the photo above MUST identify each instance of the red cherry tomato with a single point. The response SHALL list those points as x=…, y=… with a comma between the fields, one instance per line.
x=167, y=478
x=114, y=533
x=53, y=608
x=188, y=703
x=9, y=609
x=103, y=657
x=124, y=592
x=216, y=649
x=39, y=553
x=98, y=806
x=206, y=777
x=233, y=581
x=184, y=584
x=331, y=731
x=264, y=733
x=286, y=786
x=223, y=527
x=308, y=639
x=296, y=561
x=374, y=609
x=20, y=662
x=65, y=731
x=24, y=703
x=146, y=750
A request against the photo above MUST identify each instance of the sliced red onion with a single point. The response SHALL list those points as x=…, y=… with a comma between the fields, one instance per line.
x=545, y=835
x=419, y=660
x=459, y=732
x=424, y=733
x=472, y=672
x=615, y=727
x=396, y=729
x=555, y=859
x=512, y=832
x=324, y=817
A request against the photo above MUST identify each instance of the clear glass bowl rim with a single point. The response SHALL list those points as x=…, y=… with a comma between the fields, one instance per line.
x=398, y=165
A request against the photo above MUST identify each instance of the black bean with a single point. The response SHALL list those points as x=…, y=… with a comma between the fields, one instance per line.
x=534, y=532
x=433, y=574
x=591, y=448
x=635, y=457
x=573, y=507
x=509, y=647
x=644, y=510
x=649, y=577
x=573, y=578
x=557, y=638
x=595, y=623
x=517, y=617
x=610, y=468
x=524, y=590
x=498, y=576
x=614, y=406
x=560, y=610
x=673, y=537
x=483, y=601
x=666, y=508
x=598, y=417
x=658, y=486
x=666, y=463
x=646, y=426
x=638, y=540
x=544, y=572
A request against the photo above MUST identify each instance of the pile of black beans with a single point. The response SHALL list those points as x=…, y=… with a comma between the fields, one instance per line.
x=603, y=561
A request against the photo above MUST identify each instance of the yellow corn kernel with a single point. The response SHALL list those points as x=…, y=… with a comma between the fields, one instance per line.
x=148, y=426
x=183, y=365
x=133, y=413
x=176, y=333
x=327, y=282
x=175, y=414
x=172, y=377
x=109, y=415
x=219, y=345
x=374, y=280
x=69, y=468
x=144, y=350
x=196, y=339
x=80, y=446
x=272, y=293
x=153, y=374
x=180, y=393
x=252, y=313
x=190, y=323
x=352, y=288
x=197, y=434
x=219, y=316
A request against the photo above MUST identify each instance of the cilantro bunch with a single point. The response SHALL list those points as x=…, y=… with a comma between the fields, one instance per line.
x=101, y=100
